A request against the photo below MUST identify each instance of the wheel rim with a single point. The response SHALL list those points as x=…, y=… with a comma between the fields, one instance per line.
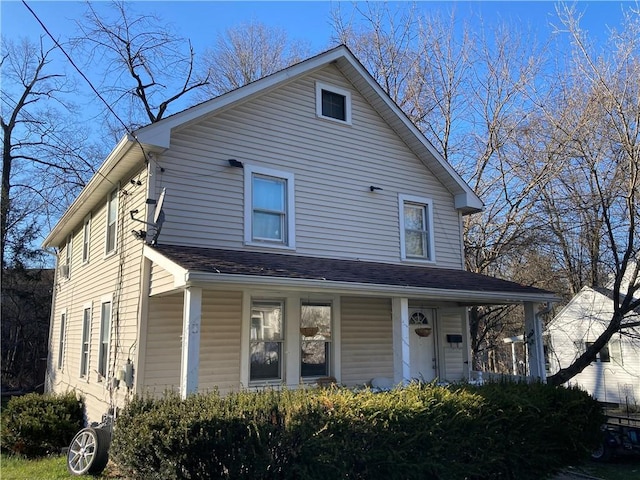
x=82, y=452
x=598, y=452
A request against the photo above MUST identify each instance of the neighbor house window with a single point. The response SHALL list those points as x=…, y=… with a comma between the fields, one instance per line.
x=333, y=103
x=103, y=347
x=269, y=207
x=315, y=330
x=63, y=326
x=112, y=217
x=416, y=228
x=86, y=342
x=86, y=235
x=603, y=355
x=265, y=341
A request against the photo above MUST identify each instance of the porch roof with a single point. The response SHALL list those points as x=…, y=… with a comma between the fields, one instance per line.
x=208, y=265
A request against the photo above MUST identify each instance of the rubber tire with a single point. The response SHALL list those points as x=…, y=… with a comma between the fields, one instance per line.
x=603, y=453
x=89, y=451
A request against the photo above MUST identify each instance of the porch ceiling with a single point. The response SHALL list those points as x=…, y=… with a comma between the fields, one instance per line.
x=208, y=265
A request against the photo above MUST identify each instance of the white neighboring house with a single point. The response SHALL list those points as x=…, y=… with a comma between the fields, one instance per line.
x=310, y=232
x=614, y=377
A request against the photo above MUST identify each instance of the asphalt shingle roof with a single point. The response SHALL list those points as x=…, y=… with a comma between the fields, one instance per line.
x=236, y=262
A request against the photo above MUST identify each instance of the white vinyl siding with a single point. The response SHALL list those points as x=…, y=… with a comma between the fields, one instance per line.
x=89, y=284
x=336, y=214
x=451, y=354
x=367, y=340
x=219, y=342
x=161, y=281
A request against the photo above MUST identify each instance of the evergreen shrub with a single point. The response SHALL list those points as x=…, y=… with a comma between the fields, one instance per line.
x=496, y=431
x=35, y=425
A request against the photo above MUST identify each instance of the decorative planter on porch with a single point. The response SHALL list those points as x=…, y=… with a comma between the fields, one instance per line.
x=308, y=331
x=423, y=331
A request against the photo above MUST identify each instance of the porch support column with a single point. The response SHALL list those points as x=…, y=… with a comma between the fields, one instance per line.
x=401, y=352
x=533, y=340
x=191, y=317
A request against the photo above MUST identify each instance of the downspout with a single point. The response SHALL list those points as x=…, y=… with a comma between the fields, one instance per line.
x=48, y=381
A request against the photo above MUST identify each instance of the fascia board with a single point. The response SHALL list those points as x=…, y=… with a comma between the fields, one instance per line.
x=160, y=133
x=466, y=296
x=179, y=273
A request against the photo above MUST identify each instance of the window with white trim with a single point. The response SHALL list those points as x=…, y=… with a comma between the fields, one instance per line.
x=266, y=338
x=86, y=342
x=315, y=344
x=416, y=228
x=63, y=327
x=112, y=222
x=68, y=256
x=103, y=346
x=269, y=207
x=86, y=237
x=333, y=103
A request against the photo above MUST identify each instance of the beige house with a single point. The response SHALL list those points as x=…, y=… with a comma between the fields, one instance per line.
x=294, y=229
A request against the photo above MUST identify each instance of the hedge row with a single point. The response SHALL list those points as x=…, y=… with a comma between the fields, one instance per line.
x=500, y=431
x=36, y=425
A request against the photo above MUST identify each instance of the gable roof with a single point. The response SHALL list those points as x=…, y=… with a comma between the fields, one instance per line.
x=208, y=265
x=156, y=137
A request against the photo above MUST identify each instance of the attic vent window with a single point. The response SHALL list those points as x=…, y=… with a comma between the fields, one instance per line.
x=333, y=103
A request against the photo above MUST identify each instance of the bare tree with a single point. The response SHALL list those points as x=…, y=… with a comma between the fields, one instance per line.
x=145, y=66
x=246, y=53
x=600, y=151
x=42, y=165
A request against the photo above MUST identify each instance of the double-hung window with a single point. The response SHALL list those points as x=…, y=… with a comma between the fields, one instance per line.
x=63, y=327
x=112, y=220
x=269, y=207
x=333, y=103
x=68, y=256
x=103, y=347
x=86, y=342
x=416, y=228
x=315, y=330
x=265, y=341
x=86, y=235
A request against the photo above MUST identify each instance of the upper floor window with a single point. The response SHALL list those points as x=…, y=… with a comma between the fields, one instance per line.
x=86, y=235
x=333, y=103
x=416, y=228
x=112, y=217
x=68, y=255
x=265, y=341
x=269, y=207
x=315, y=329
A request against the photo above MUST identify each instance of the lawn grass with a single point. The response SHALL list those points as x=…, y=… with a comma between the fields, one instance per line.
x=49, y=468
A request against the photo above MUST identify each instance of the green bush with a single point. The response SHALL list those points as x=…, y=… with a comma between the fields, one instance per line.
x=36, y=425
x=497, y=431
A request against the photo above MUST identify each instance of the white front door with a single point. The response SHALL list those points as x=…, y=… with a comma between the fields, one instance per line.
x=422, y=347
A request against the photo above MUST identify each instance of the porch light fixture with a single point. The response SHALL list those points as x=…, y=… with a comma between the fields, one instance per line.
x=373, y=188
x=235, y=163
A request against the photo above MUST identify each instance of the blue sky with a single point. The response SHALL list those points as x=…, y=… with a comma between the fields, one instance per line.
x=201, y=21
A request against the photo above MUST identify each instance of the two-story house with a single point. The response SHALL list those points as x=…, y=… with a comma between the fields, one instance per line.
x=294, y=229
